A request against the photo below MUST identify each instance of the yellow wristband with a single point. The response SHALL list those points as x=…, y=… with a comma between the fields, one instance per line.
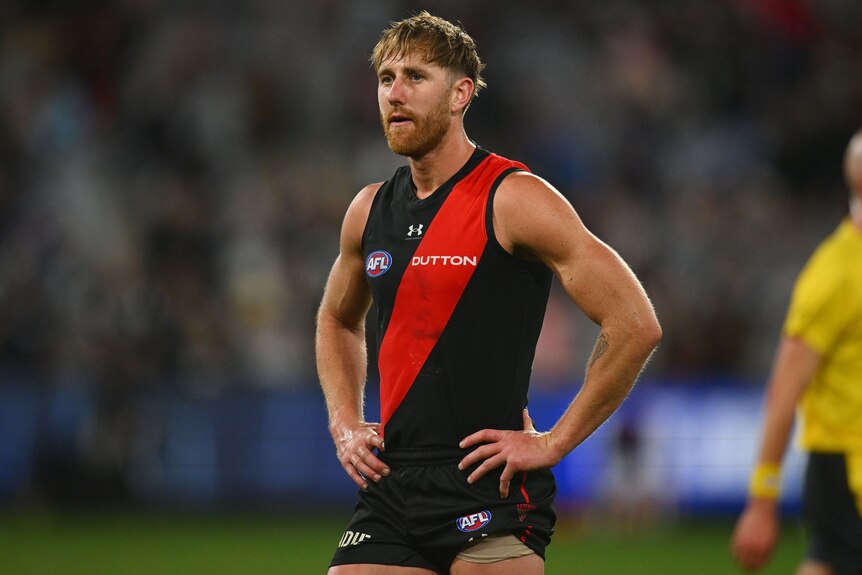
x=765, y=481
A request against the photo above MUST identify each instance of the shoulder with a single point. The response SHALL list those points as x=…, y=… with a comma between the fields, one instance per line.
x=522, y=188
x=828, y=262
x=525, y=198
x=823, y=280
x=530, y=213
x=363, y=200
x=357, y=213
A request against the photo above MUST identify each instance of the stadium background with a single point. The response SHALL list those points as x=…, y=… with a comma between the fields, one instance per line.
x=172, y=179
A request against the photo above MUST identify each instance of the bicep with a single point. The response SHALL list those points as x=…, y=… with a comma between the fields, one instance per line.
x=347, y=297
x=796, y=364
x=536, y=219
x=599, y=281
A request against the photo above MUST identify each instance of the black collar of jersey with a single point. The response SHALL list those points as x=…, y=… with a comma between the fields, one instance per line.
x=440, y=194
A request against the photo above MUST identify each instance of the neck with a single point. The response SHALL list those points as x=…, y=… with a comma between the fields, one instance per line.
x=433, y=169
x=856, y=212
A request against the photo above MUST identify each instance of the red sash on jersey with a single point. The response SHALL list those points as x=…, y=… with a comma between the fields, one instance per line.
x=427, y=294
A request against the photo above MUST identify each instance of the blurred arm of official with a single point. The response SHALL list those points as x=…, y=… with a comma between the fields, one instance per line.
x=757, y=530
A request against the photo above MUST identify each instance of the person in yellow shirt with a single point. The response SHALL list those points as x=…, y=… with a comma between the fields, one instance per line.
x=817, y=370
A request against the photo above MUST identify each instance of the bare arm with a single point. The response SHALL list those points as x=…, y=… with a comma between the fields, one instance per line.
x=341, y=353
x=795, y=366
x=534, y=221
x=756, y=531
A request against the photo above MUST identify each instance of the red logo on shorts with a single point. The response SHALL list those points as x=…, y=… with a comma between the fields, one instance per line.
x=523, y=509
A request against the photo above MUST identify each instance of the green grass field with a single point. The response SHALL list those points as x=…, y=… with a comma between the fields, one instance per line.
x=129, y=544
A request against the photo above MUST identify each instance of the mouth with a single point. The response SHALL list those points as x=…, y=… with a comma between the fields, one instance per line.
x=399, y=120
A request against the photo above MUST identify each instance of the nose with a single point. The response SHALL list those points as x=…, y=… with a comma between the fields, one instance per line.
x=395, y=92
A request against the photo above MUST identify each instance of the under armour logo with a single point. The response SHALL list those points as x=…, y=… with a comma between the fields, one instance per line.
x=414, y=230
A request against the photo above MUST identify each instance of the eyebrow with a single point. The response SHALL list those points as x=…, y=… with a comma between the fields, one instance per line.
x=386, y=70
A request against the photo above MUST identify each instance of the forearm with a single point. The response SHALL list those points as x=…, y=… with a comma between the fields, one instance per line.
x=341, y=367
x=778, y=425
x=795, y=365
x=617, y=359
x=341, y=364
x=765, y=482
x=764, y=488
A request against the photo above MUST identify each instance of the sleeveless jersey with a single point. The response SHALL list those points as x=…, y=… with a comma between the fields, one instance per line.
x=458, y=317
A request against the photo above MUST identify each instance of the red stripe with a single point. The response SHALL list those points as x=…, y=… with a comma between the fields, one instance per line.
x=427, y=295
x=524, y=486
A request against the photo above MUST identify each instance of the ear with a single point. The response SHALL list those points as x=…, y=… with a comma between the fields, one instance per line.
x=462, y=94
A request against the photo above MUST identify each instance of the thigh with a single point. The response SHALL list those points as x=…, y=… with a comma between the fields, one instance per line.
x=372, y=569
x=809, y=567
x=496, y=547
x=527, y=565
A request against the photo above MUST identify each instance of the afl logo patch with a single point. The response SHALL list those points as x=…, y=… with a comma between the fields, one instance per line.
x=474, y=521
x=377, y=263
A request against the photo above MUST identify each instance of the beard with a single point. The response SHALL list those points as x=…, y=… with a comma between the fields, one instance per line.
x=423, y=136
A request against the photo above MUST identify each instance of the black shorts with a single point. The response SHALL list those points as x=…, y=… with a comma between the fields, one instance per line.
x=425, y=512
x=831, y=517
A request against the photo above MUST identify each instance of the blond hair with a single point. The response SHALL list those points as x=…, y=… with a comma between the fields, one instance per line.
x=437, y=40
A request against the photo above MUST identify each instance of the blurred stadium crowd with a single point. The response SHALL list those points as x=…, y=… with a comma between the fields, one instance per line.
x=173, y=173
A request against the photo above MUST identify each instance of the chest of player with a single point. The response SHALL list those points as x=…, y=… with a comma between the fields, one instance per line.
x=418, y=256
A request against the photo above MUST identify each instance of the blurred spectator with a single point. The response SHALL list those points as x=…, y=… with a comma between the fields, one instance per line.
x=169, y=176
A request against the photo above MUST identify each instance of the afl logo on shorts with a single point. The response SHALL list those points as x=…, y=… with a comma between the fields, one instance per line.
x=377, y=263
x=474, y=521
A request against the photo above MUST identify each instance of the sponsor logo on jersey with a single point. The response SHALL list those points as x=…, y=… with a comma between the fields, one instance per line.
x=444, y=261
x=474, y=521
x=377, y=263
x=411, y=230
x=353, y=538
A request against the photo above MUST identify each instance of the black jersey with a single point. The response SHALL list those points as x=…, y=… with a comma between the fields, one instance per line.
x=458, y=317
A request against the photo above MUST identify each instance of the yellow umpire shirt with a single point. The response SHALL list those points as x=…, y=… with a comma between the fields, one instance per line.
x=826, y=313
